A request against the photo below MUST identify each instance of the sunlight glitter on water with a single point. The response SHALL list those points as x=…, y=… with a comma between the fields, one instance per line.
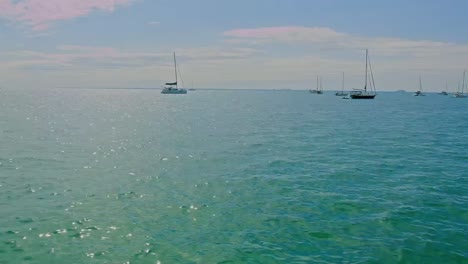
x=271, y=178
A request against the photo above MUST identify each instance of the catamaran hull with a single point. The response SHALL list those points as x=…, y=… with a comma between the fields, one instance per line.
x=174, y=91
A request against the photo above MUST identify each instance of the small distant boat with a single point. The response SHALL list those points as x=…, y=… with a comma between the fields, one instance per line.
x=364, y=93
x=419, y=92
x=443, y=92
x=192, y=89
x=319, y=89
x=342, y=92
x=460, y=93
x=172, y=88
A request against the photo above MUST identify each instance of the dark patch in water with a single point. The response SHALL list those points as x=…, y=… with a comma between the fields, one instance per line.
x=346, y=207
x=76, y=235
x=320, y=235
x=25, y=220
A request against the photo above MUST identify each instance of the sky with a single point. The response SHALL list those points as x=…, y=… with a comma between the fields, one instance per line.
x=242, y=44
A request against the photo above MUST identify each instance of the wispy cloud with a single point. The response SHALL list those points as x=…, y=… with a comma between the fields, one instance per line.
x=82, y=57
x=251, y=58
x=154, y=23
x=83, y=64
x=41, y=14
x=328, y=38
x=74, y=57
x=396, y=61
x=286, y=34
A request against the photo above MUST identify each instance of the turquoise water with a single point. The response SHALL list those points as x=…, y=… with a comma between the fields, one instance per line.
x=133, y=176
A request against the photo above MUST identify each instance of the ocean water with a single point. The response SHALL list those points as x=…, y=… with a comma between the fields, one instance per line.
x=133, y=176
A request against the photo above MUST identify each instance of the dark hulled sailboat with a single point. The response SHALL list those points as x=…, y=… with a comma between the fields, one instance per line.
x=367, y=92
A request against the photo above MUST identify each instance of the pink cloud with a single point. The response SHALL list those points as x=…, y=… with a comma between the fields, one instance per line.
x=261, y=32
x=283, y=33
x=40, y=14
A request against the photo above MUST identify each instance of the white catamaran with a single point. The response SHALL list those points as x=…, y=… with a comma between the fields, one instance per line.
x=172, y=88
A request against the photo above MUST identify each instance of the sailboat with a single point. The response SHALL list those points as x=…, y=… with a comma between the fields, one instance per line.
x=444, y=92
x=419, y=92
x=342, y=93
x=171, y=87
x=319, y=88
x=192, y=89
x=369, y=79
x=460, y=93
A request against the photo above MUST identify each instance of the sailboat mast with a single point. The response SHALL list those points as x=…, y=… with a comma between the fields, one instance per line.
x=463, y=87
x=317, y=82
x=365, y=86
x=420, y=84
x=342, y=83
x=175, y=69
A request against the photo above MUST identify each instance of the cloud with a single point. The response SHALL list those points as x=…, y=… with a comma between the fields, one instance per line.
x=72, y=55
x=83, y=64
x=285, y=34
x=41, y=14
x=327, y=38
x=154, y=23
x=278, y=57
x=82, y=57
x=325, y=51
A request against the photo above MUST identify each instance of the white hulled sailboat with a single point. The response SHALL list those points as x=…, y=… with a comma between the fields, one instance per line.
x=319, y=88
x=172, y=88
x=460, y=92
x=342, y=92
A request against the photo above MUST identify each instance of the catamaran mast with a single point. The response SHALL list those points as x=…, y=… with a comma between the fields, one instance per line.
x=365, y=86
x=175, y=69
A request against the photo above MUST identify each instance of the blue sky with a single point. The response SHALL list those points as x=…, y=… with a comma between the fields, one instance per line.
x=232, y=44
